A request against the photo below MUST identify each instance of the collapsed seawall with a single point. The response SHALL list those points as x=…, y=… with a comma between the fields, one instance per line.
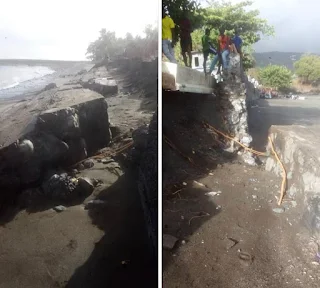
x=188, y=118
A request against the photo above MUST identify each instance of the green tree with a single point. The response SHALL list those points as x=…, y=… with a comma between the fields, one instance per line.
x=109, y=45
x=308, y=68
x=177, y=9
x=221, y=14
x=274, y=76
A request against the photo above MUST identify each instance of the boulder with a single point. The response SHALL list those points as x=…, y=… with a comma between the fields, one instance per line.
x=50, y=86
x=88, y=163
x=86, y=186
x=60, y=187
x=63, y=123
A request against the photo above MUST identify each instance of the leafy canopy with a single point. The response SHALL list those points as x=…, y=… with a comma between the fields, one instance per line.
x=274, y=76
x=109, y=45
x=222, y=14
x=177, y=9
x=308, y=68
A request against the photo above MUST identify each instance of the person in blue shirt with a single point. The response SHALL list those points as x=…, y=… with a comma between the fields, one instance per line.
x=237, y=41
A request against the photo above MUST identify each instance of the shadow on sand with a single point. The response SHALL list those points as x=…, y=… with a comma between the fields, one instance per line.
x=121, y=258
x=186, y=207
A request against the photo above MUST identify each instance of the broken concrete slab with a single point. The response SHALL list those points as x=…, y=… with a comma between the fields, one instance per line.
x=297, y=149
x=75, y=125
x=184, y=79
x=104, y=86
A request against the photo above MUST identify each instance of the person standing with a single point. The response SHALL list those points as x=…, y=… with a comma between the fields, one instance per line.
x=167, y=37
x=223, y=51
x=207, y=48
x=185, y=39
x=237, y=41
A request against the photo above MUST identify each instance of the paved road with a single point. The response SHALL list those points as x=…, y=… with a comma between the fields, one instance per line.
x=281, y=112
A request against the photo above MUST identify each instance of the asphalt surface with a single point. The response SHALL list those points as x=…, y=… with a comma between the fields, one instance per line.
x=266, y=113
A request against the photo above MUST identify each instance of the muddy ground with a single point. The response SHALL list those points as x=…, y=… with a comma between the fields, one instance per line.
x=223, y=213
x=104, y=245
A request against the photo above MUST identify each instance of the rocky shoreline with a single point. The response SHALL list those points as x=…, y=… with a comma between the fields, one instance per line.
x=64, y=124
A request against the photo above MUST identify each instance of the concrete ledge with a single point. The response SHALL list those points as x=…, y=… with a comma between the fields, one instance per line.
x=184, y=79
x=297, y=147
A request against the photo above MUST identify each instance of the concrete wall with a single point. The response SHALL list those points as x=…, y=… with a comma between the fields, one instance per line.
x=184, y=79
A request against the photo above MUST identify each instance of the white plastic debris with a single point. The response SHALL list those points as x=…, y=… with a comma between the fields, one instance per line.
x=198, y=183
x=212, y=193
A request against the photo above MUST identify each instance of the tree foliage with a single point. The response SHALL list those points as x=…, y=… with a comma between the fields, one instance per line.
x=109, y=45
x=177, y=9
x=308, y=68
x=274, y=76
x=222, y=14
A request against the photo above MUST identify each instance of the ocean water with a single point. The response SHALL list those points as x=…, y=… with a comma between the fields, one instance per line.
x=11, y=76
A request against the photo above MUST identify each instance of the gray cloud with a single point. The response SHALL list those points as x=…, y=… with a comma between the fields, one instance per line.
x=295, y=25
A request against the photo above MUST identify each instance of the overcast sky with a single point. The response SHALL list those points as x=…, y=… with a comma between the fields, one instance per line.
x=62, y=29
x=295, y=23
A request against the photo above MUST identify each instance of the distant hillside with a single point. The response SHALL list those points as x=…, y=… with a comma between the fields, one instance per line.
x=277, y=58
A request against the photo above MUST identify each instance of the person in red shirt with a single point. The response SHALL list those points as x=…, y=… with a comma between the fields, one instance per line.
x=223, y=51
x=185, y=39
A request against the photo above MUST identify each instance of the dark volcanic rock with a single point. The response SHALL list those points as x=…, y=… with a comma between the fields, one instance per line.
x=86, y=186
x=94, y=123
x=50, y=86
x=60, y=187
x=88, y=163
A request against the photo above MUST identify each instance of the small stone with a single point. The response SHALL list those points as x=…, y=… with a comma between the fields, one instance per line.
x=278, y=210
x=182, y=217
x=254, y=196
x=211, y=174
x=168, y=241
x=294, y=204
x=88, y=163
x=246, y=258
x=80, y=167
x=255, y=189
x=315, y=263
x=218, y=207
x=74, y=172
x=184, y=184
x=183, y=242
x=59, y=208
